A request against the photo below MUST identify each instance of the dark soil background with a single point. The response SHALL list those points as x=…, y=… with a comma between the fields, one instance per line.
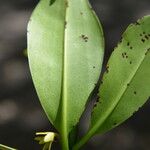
x=21, y=114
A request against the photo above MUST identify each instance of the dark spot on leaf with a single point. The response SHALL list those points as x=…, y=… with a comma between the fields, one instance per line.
x=65, y=24
x=146, y=37
x=84, y=37
x=128, y=84
x=131, y=47
x=94, y=67
x=67, y=5
x=97, y=100
x=107, y=67
x=126, y=56
x=140, y=34
x=143, y=40
x=137, y=23
x=115, y=124
x=143, y=32
x=130, y=62
x=107, y=70
x=146, y=53
x=123, y=55
x=81, y=13
x=51, y=2
x=135, y=92
x=128, y=44
x=95, y=105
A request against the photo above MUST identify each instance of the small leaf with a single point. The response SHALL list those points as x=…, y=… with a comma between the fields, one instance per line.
x=4, y=147
x=65, y=49
x=126, y=84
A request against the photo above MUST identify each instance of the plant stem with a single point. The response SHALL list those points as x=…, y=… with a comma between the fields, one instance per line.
x=64, y=142
x=83, y=140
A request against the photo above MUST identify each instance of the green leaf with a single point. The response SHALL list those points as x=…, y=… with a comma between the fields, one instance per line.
x=65, y=49
x=126, y=83
x=3, y=147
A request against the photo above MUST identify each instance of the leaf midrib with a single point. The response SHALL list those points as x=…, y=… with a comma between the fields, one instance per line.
x=64, y=81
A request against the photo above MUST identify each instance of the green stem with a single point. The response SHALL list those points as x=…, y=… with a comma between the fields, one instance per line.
x=83, y=140
x=64, y=142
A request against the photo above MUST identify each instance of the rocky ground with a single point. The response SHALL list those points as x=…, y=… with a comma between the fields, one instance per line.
x=20, y=112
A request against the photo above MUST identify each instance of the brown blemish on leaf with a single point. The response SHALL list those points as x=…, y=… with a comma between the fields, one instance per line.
x=65, y=24
x=115, y=124
x=143, y=40
x=131, y=47
x=107, y=68
x=84, y=37
x=137, y=23
x=81, y=13
x=95, y=104
x=97, y=100
x=123, y=55
x=147, y=51
x=66, y=3
x=146, y=37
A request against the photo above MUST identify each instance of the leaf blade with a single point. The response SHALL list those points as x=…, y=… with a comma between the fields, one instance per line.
x=63, y=58
x=42, y=61
x=120, y=93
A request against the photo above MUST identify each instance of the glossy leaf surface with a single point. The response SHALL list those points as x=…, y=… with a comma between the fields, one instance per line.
x=65, y=49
